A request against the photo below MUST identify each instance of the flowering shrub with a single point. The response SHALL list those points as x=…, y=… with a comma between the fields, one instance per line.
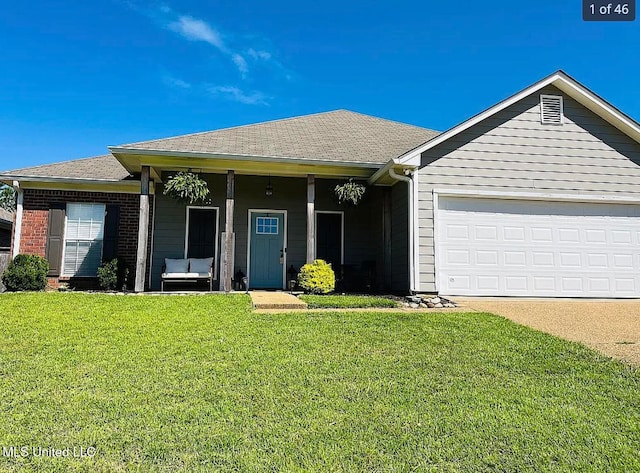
x=317, y=277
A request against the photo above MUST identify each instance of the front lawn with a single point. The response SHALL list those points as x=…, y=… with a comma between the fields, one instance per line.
x=335, y=301
x=201, y=383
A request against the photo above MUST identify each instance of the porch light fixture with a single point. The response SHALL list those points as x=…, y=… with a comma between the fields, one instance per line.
x=269, y=189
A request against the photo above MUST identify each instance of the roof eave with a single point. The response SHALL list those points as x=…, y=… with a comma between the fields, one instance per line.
x=129, y=186
x=133, y=159
x=241, y=157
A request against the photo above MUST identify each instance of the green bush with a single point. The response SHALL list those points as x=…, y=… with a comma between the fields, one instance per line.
x=26, y=273
x=317, y=277
x=108, y=275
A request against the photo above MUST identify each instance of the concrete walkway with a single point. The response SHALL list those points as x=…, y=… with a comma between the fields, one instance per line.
x=275, y=300
x=609, y=326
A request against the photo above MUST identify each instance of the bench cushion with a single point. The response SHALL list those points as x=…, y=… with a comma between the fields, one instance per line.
x=200, y=265
x=185, y=275
x=176, y=265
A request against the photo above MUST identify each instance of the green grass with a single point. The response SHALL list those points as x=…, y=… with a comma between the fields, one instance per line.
x=347, y=302
x=200, y=383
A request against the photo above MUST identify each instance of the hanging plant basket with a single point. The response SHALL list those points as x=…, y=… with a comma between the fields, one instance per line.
x=188, y=187
x=350, y=192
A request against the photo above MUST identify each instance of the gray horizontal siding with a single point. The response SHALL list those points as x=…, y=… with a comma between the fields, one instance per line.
x=513, y=151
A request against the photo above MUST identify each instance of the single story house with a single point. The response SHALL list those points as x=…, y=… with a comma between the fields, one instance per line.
x=538, y=195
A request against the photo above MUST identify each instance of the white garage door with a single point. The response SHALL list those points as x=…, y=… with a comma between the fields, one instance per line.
x=537, y=248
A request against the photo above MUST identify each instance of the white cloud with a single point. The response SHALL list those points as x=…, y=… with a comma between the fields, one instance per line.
x=237, y=95
x=197, y=30
x=240, y=63
x=177, y=83
x=263, y=55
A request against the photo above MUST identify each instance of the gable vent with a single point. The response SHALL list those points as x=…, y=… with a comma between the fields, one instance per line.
x=551, y=109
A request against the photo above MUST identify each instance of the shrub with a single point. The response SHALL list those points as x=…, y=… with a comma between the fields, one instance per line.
x=108, y=275
x=317, y=277
x=26, y=273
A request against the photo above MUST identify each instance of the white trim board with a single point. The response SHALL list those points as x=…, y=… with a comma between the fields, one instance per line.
x=17, y=231
x=284, y=242
x=216, y=237
x=489, y=194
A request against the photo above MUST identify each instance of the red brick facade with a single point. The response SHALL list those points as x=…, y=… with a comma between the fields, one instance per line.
x=35, y=220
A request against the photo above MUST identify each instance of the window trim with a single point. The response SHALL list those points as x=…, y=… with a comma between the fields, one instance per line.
x=63, y=273
x=217, y=235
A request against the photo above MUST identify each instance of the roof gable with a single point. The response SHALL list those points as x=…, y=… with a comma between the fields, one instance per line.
x=564, y=83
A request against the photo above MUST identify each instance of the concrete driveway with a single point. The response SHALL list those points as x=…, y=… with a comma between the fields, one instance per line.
x=609, y=326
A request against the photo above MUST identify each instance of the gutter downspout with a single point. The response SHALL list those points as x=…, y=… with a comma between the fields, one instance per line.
x=17, y=230
x=409, y=181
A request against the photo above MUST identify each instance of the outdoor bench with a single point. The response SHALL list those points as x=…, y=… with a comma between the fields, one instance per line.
x=187, y=270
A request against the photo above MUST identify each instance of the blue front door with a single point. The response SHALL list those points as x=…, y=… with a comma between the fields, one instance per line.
x=266, y=250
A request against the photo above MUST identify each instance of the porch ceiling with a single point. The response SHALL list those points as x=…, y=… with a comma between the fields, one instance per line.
x=251, y=165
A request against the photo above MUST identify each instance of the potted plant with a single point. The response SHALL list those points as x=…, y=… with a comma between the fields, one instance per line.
x=187, y=186
x=349, y=192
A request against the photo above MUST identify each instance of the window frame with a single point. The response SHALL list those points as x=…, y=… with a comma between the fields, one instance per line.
x=63, y=269
x=270, y=226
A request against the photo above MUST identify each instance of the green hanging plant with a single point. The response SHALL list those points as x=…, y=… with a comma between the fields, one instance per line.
x=187, y=186
x=350, y=192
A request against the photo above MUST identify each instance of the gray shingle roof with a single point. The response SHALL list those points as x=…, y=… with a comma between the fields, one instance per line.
x=104, y=167
x=340, y=135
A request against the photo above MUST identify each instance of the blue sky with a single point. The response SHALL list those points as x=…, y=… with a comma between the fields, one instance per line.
x=78, y=76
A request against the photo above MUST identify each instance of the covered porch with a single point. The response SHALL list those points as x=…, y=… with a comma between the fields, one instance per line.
x=265, y=219
x=266, y=227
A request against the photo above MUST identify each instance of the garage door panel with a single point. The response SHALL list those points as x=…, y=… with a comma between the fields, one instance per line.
x=501, y=247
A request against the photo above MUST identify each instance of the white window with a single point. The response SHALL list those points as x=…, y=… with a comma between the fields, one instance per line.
x=84, y=232
x=266, y=226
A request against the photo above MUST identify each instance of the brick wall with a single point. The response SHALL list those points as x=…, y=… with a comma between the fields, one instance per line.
x=35, y=219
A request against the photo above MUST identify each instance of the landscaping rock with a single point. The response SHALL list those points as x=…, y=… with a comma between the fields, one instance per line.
x=438, y=305
x=436, y=300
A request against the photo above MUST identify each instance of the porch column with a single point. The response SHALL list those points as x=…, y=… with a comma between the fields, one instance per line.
x=143, y=230
x=229, y=236
x=311, y=218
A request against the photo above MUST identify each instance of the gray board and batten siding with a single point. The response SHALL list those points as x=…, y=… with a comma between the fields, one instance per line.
x=512, y=151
